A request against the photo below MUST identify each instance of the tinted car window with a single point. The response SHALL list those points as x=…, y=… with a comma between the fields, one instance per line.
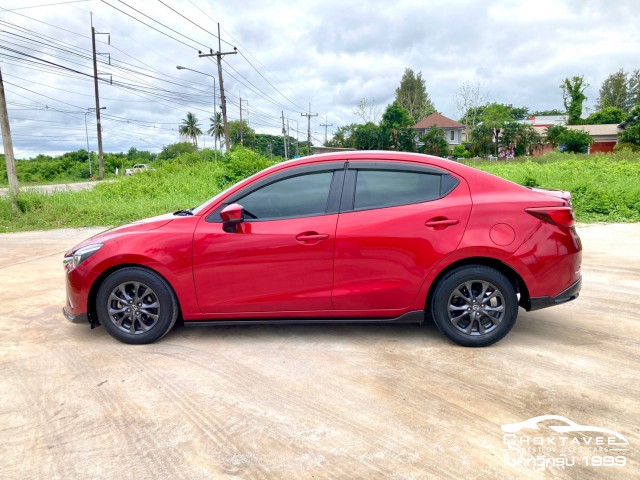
x=379, y=188
x=299, y=196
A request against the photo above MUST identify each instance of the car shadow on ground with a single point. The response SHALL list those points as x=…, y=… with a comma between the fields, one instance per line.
x=370, y=330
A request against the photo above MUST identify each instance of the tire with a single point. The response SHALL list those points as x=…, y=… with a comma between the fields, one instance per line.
x=136, y=305
x=474, y=306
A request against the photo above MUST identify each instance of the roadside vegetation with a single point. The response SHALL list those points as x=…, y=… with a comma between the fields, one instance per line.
x=183, y=182
x=605, y=187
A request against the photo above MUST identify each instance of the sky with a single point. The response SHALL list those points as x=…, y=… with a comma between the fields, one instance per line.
x=318, y=57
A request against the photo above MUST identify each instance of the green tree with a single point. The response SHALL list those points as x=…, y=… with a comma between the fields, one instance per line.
x=216, y=128
x=614, y=92
x=495, y=116
x=573, y=96
x=190, y=128
x=413, y=97
x=510, y=135
x=273, y=145
x=343, y=137
x=435, y=142
x=472, y=116
x=553, y=134
x=607, y=115
x=481, y=139
x=248, y=134
x=368, y=137
x=631, y=134
x=575, y=141
x=633, y=89
x=397, y=122
x=528, y=140
x=547, y=113
x=172, y=151
x=519, y=113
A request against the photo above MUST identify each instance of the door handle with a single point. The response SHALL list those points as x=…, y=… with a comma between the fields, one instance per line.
x=311, y=237
x=440, y=223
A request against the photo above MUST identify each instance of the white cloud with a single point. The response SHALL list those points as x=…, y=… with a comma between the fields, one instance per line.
x=330, y=53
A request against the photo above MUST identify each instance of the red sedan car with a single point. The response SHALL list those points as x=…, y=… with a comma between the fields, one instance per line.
x=345, y=237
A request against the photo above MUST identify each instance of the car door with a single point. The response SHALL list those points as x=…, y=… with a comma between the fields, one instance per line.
x=396, y=221
x=280, y=258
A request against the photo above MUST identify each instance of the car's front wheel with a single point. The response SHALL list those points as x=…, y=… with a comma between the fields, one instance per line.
x=136, y=305
x=474, y=306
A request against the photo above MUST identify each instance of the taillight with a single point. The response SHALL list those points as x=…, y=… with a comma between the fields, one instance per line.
x=560, y=216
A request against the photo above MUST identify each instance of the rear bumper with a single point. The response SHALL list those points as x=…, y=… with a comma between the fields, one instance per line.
x=81, y=318
x=571, y=293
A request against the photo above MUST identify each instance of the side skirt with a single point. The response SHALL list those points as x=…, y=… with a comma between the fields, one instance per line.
x=409, y=317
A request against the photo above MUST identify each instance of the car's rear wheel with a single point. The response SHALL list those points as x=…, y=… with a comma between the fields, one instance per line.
x=136, y=305
x=474, y=306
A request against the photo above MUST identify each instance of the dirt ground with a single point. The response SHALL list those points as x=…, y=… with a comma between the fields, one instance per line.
x=338, y=402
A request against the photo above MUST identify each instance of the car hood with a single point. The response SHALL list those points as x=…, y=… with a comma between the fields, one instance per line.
x=143, y=225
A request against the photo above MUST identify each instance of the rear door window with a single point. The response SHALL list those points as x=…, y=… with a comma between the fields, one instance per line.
x=384, y=188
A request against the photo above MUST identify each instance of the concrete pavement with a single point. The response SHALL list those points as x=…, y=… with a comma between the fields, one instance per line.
x=336, y=402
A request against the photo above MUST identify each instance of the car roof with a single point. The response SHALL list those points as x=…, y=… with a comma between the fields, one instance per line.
x=386, y=155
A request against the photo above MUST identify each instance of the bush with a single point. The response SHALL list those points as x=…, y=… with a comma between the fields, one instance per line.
x=575, y=141
x=626, y=147
x=604, y=187
x=170, y=152
x=241, y=163
x=460, y=151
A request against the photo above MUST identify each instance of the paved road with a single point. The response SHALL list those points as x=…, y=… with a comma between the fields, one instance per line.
x=55, y=187
x=336, y=402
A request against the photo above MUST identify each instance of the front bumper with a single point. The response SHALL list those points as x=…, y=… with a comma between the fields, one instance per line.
x=571, y=293
x=81, y=318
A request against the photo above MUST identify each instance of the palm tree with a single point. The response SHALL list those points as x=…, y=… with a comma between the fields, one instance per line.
x=216, y=129
x=190, y=128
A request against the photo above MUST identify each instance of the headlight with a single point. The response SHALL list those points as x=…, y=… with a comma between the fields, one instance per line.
x=81, y=255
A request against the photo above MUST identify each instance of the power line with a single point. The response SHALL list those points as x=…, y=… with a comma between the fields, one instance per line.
x=154, y=28
x=42, y=95
x=194, y=23
x=46, y=5
x=45, y=23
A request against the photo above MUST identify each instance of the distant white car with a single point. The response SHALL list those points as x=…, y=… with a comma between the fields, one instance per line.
x=138, y=167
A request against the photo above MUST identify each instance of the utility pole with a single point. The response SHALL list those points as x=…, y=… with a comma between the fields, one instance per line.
x=325, y=125
x=297, y=137
x=95, y=82
x=284, y=138
x=10, y=160
x=309, y=115
x=223, y=99
x=241, y=126
x=241, y=140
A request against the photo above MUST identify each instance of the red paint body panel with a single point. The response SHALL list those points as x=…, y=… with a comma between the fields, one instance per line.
x=383, y=255
x=378, y=263
x=263, y=267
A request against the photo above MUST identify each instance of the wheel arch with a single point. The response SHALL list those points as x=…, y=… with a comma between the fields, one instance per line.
x=514, y=277
x=93, y=291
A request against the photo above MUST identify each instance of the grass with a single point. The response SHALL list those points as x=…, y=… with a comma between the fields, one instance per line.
x=604, y=188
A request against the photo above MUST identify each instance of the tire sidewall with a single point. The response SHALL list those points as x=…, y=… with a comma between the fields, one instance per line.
x=446, y=286
x=164, y=293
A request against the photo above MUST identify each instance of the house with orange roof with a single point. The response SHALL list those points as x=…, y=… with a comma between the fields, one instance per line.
x=452, y=129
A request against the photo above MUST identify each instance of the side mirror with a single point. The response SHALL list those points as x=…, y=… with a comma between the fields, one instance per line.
x=231, y=216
